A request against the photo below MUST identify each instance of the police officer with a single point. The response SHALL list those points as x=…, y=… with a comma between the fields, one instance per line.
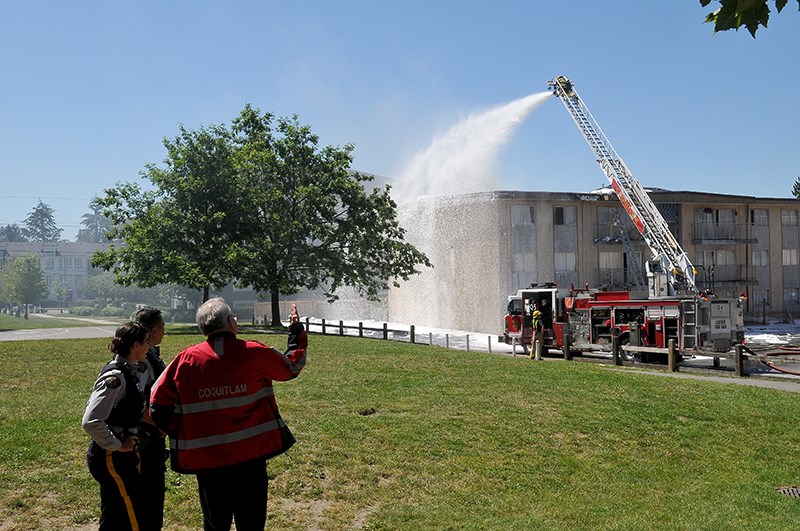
x=154, y=454
x=112, y=418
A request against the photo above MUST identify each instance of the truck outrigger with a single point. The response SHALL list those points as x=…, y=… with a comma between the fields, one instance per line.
x=589, y=318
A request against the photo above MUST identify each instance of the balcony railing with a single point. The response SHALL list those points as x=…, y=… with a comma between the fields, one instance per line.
x=609, y=233
x=727, y=274
x=725, y=232
x=621, y=278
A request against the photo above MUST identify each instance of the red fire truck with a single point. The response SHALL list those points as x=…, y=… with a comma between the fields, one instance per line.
x=589, y=317
x=675, y=308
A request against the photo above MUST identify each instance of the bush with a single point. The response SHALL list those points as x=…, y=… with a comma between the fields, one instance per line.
x=113, y=311
x=82, y=310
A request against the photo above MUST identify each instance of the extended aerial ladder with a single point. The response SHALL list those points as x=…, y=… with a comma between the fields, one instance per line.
x=669, y=271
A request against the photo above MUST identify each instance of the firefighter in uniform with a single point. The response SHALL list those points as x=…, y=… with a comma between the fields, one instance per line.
x=112, y=418
x=216, y=401
x=153, y=456
x=538, y=335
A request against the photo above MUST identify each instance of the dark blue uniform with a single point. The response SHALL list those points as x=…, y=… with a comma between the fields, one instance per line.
x=154, y=451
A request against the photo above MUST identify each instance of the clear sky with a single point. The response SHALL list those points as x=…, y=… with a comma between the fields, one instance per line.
x=91, y=88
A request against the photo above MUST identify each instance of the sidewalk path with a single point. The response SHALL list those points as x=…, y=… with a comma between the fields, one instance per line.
x=792, y=386
x=106, y=329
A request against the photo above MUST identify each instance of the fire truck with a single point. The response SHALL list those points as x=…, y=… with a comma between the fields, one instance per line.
x=589, y=318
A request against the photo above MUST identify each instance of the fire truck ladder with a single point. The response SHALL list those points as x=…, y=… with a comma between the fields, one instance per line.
x=634, y=269
x=643, y=212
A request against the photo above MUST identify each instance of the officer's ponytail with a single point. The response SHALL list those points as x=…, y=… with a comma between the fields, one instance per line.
x=125, y=337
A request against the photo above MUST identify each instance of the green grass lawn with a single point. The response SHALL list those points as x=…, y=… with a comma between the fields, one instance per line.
x=398, y=436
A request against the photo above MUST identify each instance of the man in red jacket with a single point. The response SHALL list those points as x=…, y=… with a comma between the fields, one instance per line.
x=216, y=402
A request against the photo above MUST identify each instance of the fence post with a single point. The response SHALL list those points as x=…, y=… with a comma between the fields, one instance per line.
x=489, y=339
x=514, y=347
x=672, y=359
x=430, y=339
x=341, y=328
x=385, y=331
x=307, y=323
x=738, y=360
x=323, y=327
x=447, y=341
x=467, y=342
x=411, y=334
x=360, y=329
x=615, y=350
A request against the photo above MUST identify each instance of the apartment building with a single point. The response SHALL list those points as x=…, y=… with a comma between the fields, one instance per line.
x=69, y=262
x=488, y=245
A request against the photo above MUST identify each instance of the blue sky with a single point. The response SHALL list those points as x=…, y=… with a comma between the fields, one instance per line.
x=91, y=88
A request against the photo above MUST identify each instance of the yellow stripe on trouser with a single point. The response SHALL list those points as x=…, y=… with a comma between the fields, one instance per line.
x=122, y=491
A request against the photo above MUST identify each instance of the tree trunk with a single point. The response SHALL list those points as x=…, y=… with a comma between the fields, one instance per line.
x=276, y=307
x=206, y=290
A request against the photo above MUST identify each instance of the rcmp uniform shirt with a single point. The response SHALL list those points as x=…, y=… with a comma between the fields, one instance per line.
x=109, y=391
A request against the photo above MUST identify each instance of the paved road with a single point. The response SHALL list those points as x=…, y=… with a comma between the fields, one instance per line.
x=102, y=329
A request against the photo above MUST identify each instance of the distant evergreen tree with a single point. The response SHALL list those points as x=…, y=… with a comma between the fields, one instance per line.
x=40, y=225
x=12, y=233
x=94, y=224
x=796, y=188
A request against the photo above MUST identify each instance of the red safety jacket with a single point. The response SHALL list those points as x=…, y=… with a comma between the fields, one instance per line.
x=215, y=399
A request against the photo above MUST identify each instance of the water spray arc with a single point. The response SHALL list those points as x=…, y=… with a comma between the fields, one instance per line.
x=443, y=204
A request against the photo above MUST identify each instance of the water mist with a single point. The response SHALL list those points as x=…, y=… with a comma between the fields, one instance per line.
x=447, y=214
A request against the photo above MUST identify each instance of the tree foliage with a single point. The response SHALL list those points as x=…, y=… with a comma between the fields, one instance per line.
x=260, y=203
x=312, y=224
x=184, y=231
x=12, y=233
x=94, y=225
x=733, y=14
x=40, y=225
x=796, y=188
x=22, y=280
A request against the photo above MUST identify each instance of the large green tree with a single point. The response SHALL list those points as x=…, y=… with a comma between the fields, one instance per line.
x=94, y=225
x=40, y=225
x=184, y=230
x=22, y=280
x=261, y=204
x=734, y=14
x=312, y=223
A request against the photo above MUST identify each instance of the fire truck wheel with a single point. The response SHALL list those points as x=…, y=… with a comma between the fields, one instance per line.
x=627, y=355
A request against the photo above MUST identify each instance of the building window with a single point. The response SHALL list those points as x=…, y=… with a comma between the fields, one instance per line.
x=49, y=262
x=789, y=218
x=78, y=262
x=791, y=299
x=522, y=215
x=759, y=217
x=790, y=257
x=610, y=260
x=564, y=215
x=564, y=261
x=669, y=211
x=760, y=257
x=720, y=258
